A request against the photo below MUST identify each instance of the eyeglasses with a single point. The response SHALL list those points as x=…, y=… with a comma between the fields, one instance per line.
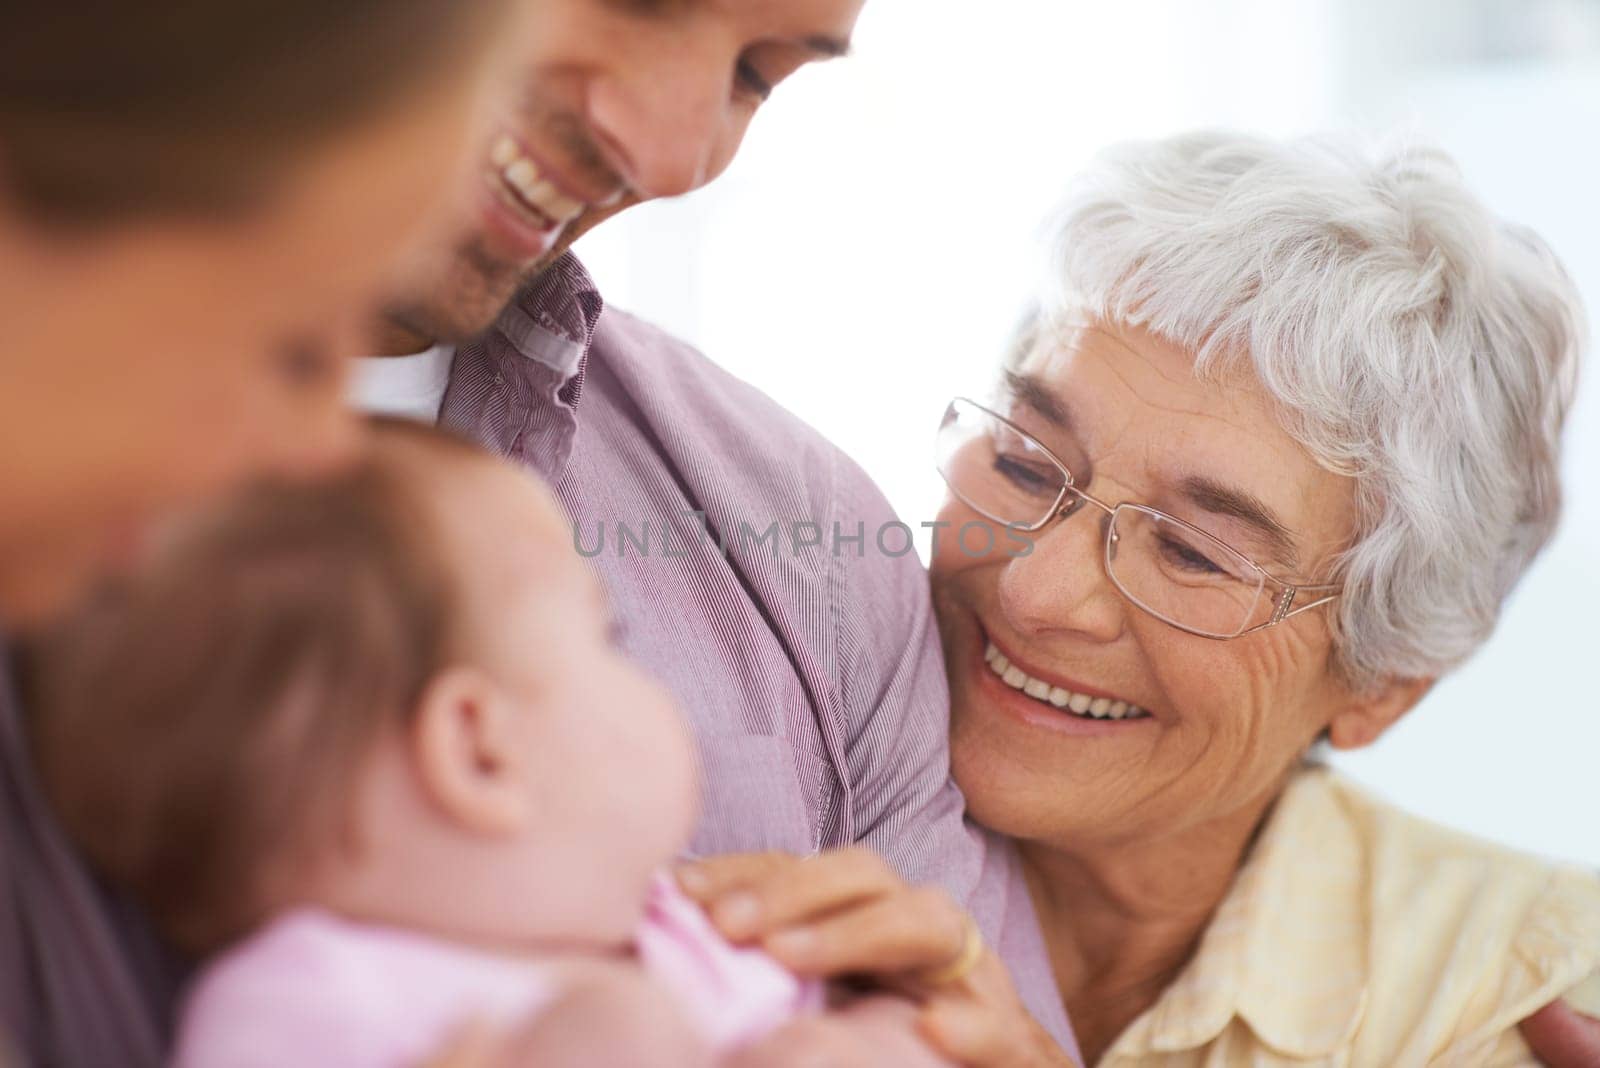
x=1165, y=566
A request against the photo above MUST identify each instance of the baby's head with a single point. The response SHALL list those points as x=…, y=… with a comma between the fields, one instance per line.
x=392, y=695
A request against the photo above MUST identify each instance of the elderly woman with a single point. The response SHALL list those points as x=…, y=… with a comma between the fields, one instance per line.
x=1274, y=449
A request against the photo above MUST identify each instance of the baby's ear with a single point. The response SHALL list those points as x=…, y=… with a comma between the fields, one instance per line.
x=1364, y=717
x=464, y=742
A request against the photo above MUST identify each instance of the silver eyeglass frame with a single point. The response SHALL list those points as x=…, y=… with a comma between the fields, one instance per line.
x=1070, y=500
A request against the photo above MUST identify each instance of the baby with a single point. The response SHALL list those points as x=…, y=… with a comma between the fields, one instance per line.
x=365, y=749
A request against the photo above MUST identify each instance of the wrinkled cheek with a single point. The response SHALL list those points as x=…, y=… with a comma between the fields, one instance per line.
x=1287, y=674
x=1253, y=728
x=1216, y=695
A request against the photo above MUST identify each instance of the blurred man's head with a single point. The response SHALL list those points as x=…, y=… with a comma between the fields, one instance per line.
x=200, y=205
x=625, y=101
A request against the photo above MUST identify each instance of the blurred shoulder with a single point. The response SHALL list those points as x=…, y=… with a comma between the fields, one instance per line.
x=1402, y=851
x=1464, y=937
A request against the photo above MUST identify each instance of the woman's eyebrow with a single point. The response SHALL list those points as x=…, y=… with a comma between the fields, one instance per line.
x=1221, y=499
x=1203, y=492
x=1040, y=397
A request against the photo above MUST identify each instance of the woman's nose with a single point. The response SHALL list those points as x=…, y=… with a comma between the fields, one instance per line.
x=1061, y=585
x=670, y=132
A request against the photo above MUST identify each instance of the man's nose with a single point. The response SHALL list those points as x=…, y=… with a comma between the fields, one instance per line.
x=670, y=132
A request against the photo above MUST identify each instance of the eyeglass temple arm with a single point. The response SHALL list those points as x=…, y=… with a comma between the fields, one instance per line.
x=1285, y=608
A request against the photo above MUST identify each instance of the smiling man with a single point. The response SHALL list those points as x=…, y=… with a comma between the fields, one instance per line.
x=759, y=582
x=625, y=101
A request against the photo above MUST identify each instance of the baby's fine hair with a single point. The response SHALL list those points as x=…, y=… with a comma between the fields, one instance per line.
x=199, y=724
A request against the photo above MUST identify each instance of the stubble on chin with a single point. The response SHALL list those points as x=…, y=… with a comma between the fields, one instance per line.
x=464, y=297
x=460, y=302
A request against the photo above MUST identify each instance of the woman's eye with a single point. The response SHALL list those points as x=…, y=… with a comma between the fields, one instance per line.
x=1188, y=558
x=1025, y=475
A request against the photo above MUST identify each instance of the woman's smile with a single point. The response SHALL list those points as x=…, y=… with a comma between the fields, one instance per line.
x=1048, y=700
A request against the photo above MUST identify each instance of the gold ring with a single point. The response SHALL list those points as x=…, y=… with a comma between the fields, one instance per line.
x=966, y=960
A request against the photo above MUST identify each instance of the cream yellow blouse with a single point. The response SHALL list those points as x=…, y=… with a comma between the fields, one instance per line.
x=1358, y=935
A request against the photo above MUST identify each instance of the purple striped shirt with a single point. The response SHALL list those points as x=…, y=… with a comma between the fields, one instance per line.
x=811, y=673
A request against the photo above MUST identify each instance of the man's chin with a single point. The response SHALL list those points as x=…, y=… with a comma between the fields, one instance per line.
x=591, y=218
x=463, y=301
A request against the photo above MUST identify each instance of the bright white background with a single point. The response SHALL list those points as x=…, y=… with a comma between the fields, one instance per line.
x=865, y=257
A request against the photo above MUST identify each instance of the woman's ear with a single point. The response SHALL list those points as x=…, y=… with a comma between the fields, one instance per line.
x=1364, y=717
x=465, y=744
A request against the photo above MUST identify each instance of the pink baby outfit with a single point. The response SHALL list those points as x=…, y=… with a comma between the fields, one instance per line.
x=316, y=991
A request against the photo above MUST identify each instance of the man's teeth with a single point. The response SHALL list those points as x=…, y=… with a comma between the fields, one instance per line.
x=522, y=174
x=1077, y=704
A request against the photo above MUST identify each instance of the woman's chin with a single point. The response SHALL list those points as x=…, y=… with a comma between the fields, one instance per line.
x=1033, y=772
x=1023, y=790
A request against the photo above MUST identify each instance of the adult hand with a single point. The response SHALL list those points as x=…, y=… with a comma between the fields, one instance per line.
x=1562, y=1037
x=847, y=913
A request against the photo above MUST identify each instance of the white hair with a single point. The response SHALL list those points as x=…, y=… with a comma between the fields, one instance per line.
x=1408, y=338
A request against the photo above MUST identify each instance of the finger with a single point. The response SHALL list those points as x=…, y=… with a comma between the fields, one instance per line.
x=707, y=878
x=966, y=1033
x=893, y=936
x=1560, y=1036
x=802, y=893
x=974, y=1035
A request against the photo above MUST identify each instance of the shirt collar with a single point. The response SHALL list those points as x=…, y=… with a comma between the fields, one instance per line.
x=552, y=321
x=516, y=389
x=1297, y=898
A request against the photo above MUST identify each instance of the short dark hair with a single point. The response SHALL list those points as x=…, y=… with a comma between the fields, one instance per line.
x=199, y=723
x=111, y=109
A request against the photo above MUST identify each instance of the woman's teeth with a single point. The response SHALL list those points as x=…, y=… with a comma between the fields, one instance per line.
x=522, y=178
x=1077, y=704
